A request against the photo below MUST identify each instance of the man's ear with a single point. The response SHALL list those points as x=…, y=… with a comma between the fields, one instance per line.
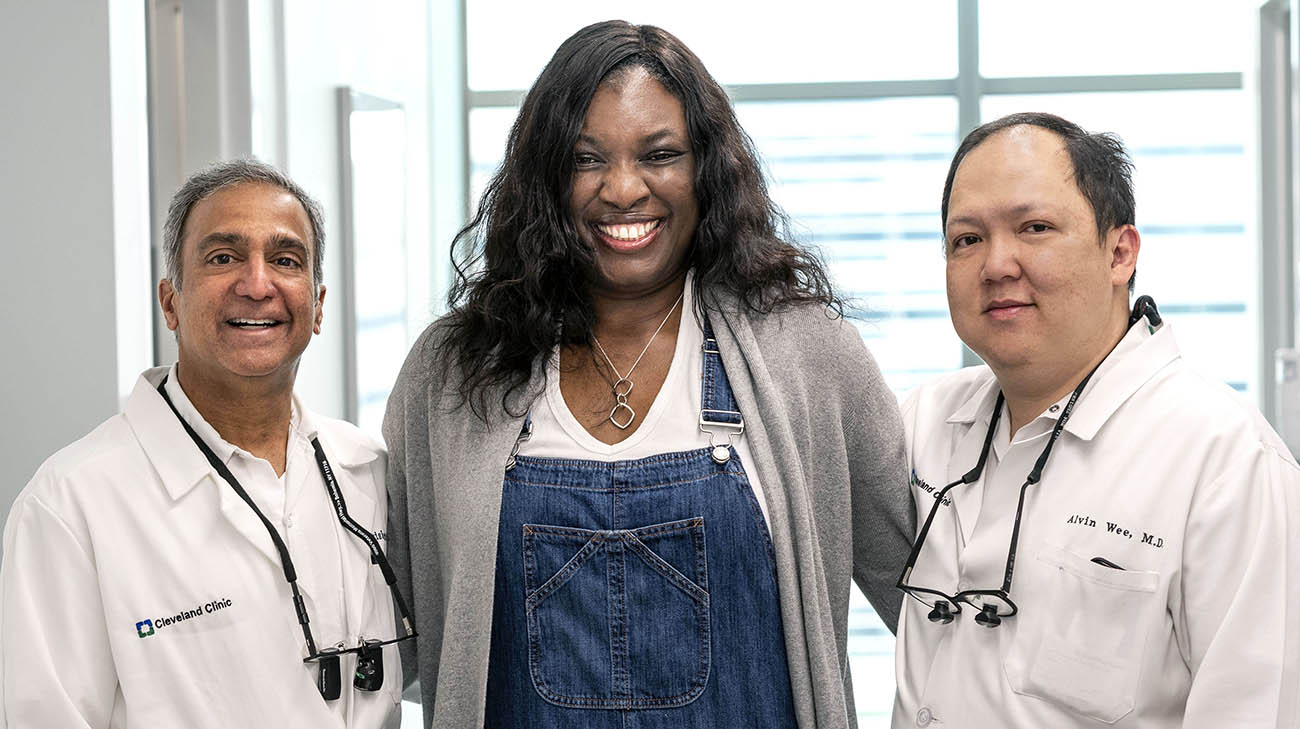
x=320, y=309
x=1123, y=242
x=167, y=300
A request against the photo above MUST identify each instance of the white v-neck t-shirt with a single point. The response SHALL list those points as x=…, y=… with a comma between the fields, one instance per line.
x=672, y=423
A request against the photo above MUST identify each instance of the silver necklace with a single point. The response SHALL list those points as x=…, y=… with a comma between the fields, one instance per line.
x=623, y=386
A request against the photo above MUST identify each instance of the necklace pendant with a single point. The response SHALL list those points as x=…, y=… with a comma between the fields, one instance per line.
x=615, y=413
x=622, y=389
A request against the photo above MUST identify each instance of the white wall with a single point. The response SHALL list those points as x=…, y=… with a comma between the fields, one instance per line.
x=74, y=201
x=381, y=49
x=78, y=284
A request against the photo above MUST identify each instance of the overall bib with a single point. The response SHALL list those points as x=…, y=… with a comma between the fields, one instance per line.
x=639, y=593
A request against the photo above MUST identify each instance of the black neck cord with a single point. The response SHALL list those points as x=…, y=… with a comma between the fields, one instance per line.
x=286, y=562
x=376, y=552
x=290, y=574
x=1145, y=306
x=1036, y=474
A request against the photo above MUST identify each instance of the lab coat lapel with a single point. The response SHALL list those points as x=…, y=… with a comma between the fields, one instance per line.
x=1140, y=355
x=348, y=461
x=967, y=498
x=356, y=555
x=975, y=415
x=179, y=463
x=181, y=466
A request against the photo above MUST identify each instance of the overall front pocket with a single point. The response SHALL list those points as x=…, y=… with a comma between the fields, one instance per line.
x=617, y=619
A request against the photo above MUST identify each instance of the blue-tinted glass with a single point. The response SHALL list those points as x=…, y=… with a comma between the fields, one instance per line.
x=1105, y=37
x=862, y=181
x=488, y=129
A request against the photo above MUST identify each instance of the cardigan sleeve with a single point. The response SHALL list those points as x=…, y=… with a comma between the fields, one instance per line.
x=883, y=519
x=405, y=432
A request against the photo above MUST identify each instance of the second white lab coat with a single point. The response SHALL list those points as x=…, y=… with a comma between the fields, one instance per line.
x=138, y=590
x=1171, y=477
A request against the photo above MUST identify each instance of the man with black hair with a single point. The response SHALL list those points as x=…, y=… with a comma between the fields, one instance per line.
x=1107, y=538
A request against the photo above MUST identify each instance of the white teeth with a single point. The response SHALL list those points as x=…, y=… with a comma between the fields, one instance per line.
x=253, y=322
x=635, y=231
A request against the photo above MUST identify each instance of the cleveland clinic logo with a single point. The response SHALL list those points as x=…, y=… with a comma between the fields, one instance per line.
x=149, y=626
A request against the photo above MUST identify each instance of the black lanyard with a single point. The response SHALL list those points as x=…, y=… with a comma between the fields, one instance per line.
x=995, y=604
x=286, y=562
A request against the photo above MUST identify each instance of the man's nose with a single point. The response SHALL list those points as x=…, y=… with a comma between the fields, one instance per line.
x=624, y=186
x=1001, y=258
x=255, y=279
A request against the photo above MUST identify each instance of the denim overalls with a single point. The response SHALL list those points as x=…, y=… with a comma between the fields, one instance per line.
x=638, y=594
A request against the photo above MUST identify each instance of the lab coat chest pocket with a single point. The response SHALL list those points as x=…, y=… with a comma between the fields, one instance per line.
x=1082, y=643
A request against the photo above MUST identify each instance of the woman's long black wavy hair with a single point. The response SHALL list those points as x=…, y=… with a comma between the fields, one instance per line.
x=530, y=291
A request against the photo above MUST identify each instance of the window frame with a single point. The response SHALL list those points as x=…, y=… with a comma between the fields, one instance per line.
x=969, y=87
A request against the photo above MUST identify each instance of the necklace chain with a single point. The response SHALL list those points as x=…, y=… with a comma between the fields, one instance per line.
x=623, y=386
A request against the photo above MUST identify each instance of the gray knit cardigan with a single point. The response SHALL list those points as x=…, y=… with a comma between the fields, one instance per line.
x=828, y=445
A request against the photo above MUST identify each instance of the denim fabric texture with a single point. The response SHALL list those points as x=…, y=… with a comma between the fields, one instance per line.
x=637, y=594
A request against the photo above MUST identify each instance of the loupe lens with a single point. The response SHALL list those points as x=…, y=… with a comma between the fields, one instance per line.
x=370, y=667
x=329, y=681
x=1001, y=606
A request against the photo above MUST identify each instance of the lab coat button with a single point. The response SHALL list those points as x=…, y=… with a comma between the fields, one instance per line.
x=288, y=521
x=924, y=717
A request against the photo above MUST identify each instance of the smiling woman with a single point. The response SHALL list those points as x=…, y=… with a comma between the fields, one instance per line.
x=633, y=198
x=621, y=402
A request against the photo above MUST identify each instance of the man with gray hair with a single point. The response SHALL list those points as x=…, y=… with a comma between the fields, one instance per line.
x=204, y=558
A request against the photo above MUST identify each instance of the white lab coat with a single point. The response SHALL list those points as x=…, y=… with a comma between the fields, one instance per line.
x=1172, y=477
x=131, y=524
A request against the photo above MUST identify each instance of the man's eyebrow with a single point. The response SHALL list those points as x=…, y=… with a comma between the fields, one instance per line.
x=1012, y=211
x=289, y=242
x=280, y=242
x=961, y=220
x=212, y=240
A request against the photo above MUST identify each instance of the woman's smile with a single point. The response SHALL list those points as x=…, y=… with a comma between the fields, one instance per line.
x=628, y=237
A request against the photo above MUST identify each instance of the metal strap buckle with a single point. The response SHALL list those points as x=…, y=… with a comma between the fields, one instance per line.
x=524, y=434
x=720, y=428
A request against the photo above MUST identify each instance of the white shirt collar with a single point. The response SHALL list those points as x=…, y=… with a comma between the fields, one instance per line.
x=1141, y=353
x=298, y=424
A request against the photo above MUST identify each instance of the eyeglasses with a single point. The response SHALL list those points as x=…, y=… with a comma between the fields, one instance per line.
x=993, y=604
x=369, y=674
